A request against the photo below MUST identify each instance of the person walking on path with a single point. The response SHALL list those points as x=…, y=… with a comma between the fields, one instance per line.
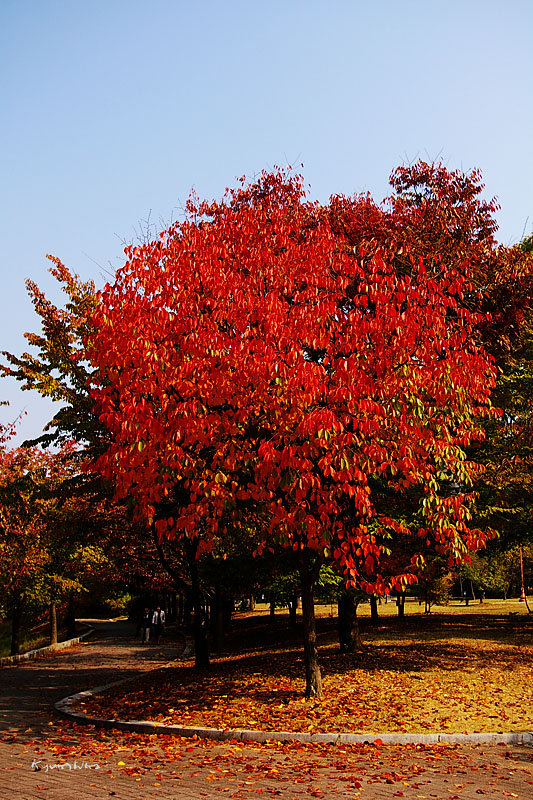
x=158, y=624
x=146, y=624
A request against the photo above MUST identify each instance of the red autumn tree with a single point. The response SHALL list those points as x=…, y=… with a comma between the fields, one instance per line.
x=23, y=545
x=252, y=361
x=441, y=217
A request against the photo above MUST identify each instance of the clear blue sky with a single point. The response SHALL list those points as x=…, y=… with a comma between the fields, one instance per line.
x=113, y=110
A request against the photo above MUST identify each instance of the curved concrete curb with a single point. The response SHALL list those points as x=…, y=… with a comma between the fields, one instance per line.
x=241, y=734
x=42, y=651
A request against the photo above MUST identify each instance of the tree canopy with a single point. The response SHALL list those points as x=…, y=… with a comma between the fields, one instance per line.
x=259, y=358
x=318, y=377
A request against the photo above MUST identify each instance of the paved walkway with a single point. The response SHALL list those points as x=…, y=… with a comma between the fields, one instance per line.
x=45, y=756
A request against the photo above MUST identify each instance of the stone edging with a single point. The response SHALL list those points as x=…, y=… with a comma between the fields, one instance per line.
x=241, y=734
x=51, y=648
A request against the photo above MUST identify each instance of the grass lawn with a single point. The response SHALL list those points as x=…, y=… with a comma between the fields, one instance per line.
x=460, y=669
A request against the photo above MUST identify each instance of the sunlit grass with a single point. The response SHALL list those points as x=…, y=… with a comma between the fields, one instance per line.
x=29, y=640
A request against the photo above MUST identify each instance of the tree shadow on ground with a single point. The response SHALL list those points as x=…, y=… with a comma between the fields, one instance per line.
x=261, y=634
x=249, y=675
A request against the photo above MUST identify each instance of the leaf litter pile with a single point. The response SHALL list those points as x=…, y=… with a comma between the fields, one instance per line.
x=455, y=674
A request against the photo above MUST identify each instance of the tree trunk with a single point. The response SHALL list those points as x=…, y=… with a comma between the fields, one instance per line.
x=180, y=615
x=293, y=605
x=374, y=616
x=272, y=613
x=71, y=617
x=349, y=635
x=201, y=646
x=313, y=679
x=400, y=602
x=16, y=624
x=53, y=623
x=217, y=619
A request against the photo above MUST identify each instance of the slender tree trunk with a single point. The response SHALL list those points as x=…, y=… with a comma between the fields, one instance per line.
x=71, y=617
x=293, y=605
x=272, y=613
x=374, y=616
x=313, y=678
x=53, y=623
x=217, y=619
x=188, y=609
x=201, y=646
x=400, y=602
x=349, y=635
x=16, y=624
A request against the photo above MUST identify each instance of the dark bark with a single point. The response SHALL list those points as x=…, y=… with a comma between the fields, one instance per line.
x=178, y=579
x=272, y=613
x=309, y=568
x=293, y=606
x=400, y=602
x=71, y=617
x=201, y=646
x=187, y=609
x=53, y=623
x=16, y=625
x=349, y=635
x=217, y=619
x=180, y=616
x=228, y=607
x=374, y=616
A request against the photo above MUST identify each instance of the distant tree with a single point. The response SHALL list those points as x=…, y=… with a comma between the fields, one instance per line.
x=23, y=552
x=494, y=572
x=58, y=369
x=30, y=545
x=506, y=485
x=56, y=542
